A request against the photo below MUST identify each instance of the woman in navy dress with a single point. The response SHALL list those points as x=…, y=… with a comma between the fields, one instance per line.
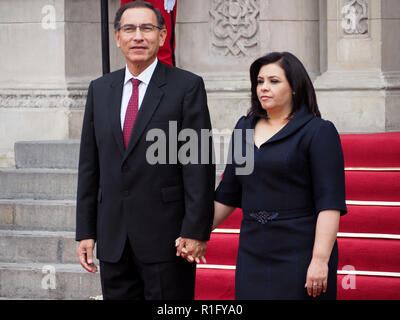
x=294, y=196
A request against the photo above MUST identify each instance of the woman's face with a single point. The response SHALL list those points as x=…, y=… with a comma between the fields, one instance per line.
x=273, y=89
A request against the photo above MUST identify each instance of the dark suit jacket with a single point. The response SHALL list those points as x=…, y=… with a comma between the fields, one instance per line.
x=119, y=193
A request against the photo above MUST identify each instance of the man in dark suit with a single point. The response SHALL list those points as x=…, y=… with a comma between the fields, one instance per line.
x=133, y=209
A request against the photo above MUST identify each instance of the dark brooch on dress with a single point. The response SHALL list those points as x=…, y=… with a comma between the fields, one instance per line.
x=264, y=217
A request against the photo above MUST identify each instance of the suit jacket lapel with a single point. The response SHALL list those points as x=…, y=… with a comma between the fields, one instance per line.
x=150, y=102
x=114, y=108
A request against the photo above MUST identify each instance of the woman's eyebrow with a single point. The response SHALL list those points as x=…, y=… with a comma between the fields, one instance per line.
x=269, y=77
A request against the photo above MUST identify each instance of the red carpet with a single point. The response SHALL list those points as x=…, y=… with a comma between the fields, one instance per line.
x=215, y=284
x=371, y=150
x=369, y=235
x=373, y=186
x=233, y=222
x=369, y=288
x=222, y=254
x=371, y=219
x=370, y=254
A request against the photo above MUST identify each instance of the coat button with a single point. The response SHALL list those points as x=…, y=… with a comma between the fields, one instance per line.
x=126, y=193
x=125, y=168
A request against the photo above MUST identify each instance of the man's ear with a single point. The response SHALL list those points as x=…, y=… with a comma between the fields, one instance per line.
x=117, y=39
x=163, y=36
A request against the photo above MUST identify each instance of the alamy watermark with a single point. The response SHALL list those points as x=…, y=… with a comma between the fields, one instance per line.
x=189, y=146
x=49, y=278
x=48, y=281
x=49, y=17
x=349, y=280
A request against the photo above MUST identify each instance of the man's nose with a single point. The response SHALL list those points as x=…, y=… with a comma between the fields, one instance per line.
x=138, y=35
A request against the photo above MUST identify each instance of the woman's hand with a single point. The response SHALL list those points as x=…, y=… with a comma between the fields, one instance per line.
x=317, y=277
x=325, y=237
x=190, y=249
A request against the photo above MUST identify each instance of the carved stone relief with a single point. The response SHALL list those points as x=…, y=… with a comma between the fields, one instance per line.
x=234, y=27
x=355, y=17
x=40, y=98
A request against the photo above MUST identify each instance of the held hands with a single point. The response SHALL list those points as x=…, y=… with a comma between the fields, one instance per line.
x=85, y=255
x=317, y=277
x=191, y=249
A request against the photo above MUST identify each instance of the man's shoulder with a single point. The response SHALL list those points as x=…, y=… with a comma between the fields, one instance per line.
x=109, y=78
x=182, y=74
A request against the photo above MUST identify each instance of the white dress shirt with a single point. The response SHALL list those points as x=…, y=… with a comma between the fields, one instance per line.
x=144, y=77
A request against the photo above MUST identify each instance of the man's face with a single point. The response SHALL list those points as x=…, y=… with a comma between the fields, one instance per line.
x=139, y=48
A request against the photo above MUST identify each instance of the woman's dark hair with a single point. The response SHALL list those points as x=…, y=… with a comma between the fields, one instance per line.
x=298, y=78
x=138, y=4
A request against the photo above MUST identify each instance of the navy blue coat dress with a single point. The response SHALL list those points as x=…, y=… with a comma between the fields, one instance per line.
x=297, y=173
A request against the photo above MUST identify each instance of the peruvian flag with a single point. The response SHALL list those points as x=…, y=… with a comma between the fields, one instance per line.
x=166, y=53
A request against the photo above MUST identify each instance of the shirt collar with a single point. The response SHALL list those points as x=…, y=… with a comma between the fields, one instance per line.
x=145, y=76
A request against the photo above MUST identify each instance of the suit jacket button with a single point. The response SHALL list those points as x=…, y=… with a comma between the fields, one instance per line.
x=126, y=193
x=125, y=168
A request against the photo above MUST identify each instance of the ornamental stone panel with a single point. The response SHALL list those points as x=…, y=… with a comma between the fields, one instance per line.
x=355, y=17
x=235, y=25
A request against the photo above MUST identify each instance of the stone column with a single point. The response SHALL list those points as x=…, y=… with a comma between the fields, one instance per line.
x=360, y=90
x=50, y=49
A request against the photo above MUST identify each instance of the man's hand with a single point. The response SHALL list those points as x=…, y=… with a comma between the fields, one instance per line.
x=85, y=255
x=191, y=249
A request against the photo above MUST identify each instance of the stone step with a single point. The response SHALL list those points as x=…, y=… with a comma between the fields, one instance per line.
x=47, y=281
x=47, y=184
x=38, y=247
x=64, y=154
x=57, y=154
x=45, y=215
x=43, y=184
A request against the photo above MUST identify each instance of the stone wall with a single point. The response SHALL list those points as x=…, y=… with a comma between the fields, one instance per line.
x=51, y=49
x=359, y=91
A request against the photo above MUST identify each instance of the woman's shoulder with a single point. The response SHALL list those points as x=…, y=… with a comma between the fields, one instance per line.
x=319, y=124
x=245, y=122
x=241, y=123
x=323, y=132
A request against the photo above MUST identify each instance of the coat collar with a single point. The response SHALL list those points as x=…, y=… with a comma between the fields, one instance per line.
x=299, y=120
x=114, y=107
x=144, y=77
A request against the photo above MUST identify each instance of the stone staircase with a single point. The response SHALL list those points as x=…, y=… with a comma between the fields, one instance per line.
x=37, y=222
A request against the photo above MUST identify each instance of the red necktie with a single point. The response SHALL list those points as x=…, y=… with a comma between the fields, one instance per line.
x=131, y=111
